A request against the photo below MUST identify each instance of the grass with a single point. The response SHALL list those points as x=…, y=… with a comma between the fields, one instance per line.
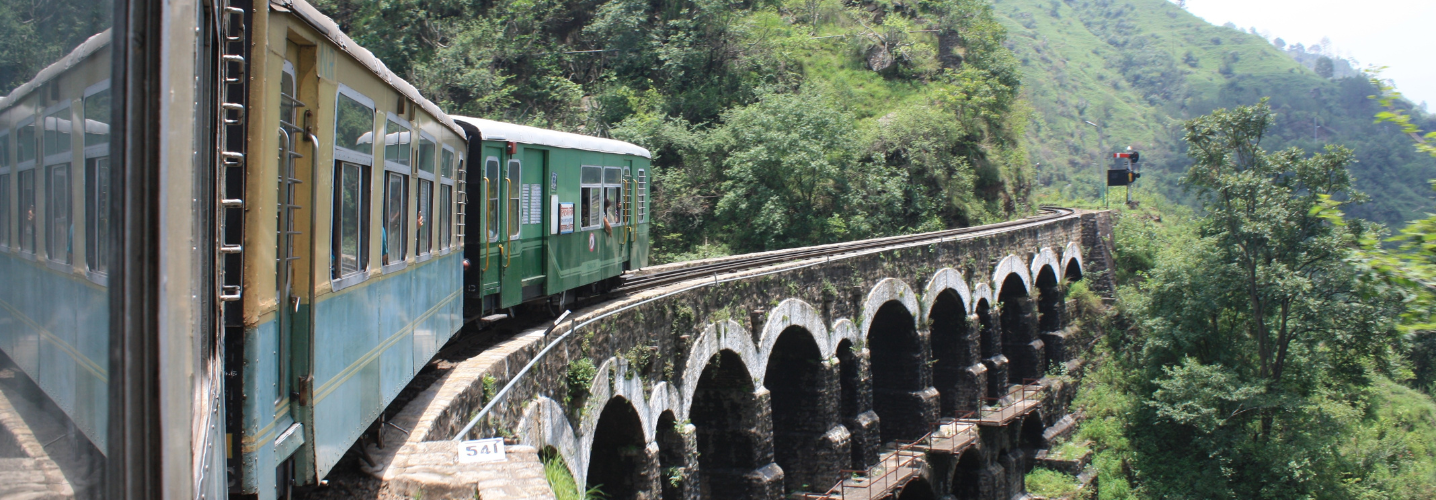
x=562, y=483
x=1070, y=450
x=1051, y=484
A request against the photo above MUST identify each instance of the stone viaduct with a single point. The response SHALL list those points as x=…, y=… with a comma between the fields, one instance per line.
x=778, y=380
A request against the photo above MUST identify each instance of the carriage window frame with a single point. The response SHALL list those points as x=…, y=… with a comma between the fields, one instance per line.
x=641, y=195
x=57, y=167
x=401, y=157
x=514, y=172
x=446, y=186
x=97, y=192
x=5, y=176
x=613, y=184
x=340, y=280
x=430, y=179
x=493, y=165
x=590, y=198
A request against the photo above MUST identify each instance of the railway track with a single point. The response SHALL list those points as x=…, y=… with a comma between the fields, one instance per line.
x=641, y=282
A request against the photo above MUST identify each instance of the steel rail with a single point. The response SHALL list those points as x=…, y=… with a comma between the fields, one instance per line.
x=738, y=265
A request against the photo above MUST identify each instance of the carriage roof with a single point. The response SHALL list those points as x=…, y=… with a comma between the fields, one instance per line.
x=491, y=130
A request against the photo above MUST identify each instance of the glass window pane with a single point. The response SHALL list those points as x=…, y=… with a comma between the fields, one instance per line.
x=592, y=175
x=57, y=214
x=611, y=205
x=354, y=128
x=349, y=240
x=612, y=175
x=425, y=220
x=445, y=208
x=27, y=211
x=515, y=182
x=25, y=143
x=426, y=155
x=5, y=209
x=97, y=118
x=491, y=211
x=446, y=164
x=397, y=143
x=57, y=132
x=393, y=251
x=4, y=150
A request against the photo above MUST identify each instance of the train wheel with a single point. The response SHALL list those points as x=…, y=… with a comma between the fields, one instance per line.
x=559, y=302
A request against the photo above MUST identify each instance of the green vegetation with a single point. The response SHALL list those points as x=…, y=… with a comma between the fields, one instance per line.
x=1136, y=69
x=1253, y=356
x=773, y=123
x=561, y=481
x=35, y=34
x=1050, y=484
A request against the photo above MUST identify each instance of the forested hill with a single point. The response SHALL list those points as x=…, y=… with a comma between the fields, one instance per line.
x=773, y=123
x=1137, y=68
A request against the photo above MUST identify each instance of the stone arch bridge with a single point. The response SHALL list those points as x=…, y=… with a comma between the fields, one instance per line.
x=786, y=378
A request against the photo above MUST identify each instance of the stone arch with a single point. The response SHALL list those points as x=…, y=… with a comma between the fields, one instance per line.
x=799, y=381
x=672, y=453
x=917, y=488
x=1006, y=268
x=795, y=313
x=1072, y=254
x=728, y=411
x=1018, y=323
x=887, y=290
x=544, y=425
x=854, y=402
x=946, y=278
x=625, y=470
x=726, y=335
x=1044, y=257
x=953, y=353
x=903, y=397
x=967, y=475
x=1049, y=299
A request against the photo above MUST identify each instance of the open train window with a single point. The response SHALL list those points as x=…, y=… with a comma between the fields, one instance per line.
x=97, y=179
x=591, y=196
x=613, y=195
x=5, y=176
x=353, y=159
x=642, y=196
x=515, y=182
x=398, y=150
x=445, y=209
x=58, y=126
x=424, y=233
x=491, y=207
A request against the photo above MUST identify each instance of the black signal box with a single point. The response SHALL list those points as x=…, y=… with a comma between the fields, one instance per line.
x=1121, y=177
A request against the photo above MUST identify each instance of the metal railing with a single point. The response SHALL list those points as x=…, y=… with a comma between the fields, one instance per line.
x=1017, y=403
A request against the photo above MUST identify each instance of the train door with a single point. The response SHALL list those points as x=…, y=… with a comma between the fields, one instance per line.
x=511, y=229
x=294, y=259
x=531, y=218
x=490, y=231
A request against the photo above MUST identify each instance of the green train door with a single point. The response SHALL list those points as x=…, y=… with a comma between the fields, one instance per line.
x=510, y=231
x=491, y=261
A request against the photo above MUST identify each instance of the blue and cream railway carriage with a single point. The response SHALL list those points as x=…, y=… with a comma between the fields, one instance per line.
x=352, y=260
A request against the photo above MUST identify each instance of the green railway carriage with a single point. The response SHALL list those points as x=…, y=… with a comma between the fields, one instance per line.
x=556, y=215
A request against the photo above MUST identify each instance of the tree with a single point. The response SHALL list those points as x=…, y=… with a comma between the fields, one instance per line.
x=1261, y=320
x=1324, y=67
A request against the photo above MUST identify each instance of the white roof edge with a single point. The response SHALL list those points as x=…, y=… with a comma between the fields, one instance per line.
x=491, y=130
x=327, y=27
x=85, y=49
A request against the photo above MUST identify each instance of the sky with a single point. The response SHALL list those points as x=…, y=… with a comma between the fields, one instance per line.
x=1392, y=33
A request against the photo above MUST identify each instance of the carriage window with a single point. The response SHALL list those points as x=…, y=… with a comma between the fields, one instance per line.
x=27, y=210
x=642, y=195
x=97, y=214
x=397, y=143
x=613, y=195
x=591, y=196
x=491, y=209
x=445, y=206
x=4, y=206
x=424, y=241
x=426, y=155
x=57, y=132
x=57, y=213
x=97, y=118
x=354, y=157
x=25, y=143
x=446, y=164
x=514, y=183
x=354, y=127
x=351, y=227
x=396, y=191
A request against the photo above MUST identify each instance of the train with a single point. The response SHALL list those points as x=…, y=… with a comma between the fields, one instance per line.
x=258, y=236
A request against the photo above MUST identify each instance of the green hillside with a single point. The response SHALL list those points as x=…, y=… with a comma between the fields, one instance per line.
x=1137, y=68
